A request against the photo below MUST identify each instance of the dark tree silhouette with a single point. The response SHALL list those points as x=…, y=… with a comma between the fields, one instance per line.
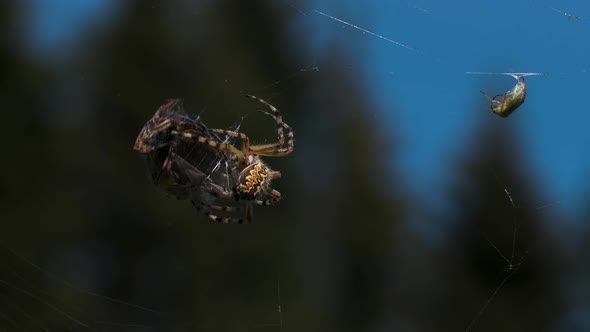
x=500, y=258
x=84, y=209
x=348, y=213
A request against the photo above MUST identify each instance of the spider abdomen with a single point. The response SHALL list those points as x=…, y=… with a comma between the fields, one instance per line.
x=255, y=178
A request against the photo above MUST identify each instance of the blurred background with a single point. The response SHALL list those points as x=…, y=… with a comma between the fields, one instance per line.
x=407, y=205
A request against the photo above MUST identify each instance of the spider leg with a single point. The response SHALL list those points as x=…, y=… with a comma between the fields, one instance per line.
x=225, y=208
x=275, y=198
x=187, y=134
x=221, y=208
x=270, y=150
x=208, y=211
x=242, y=136
x=283, y=130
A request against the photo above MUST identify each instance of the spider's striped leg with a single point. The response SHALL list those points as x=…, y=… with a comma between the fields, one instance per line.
x=283, y=130
x=193, y=136
x=208, y=210
x=271, y=150
x=242, y=136
x=276, y=197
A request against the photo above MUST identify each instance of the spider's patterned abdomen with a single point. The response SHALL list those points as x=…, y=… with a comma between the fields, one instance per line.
x=256, y=179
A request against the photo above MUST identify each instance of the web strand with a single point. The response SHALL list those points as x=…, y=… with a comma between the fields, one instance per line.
x=365, y=30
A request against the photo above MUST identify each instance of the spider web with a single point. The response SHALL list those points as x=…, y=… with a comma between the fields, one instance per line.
x=434, y=67
x=512, y=259
x=18, y=279
x=19, y=286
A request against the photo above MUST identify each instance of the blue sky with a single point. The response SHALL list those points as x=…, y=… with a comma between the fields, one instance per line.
x=432, y=101
x=51, y=26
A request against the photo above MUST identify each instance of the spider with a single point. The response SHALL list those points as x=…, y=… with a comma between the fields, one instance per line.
x=168, y=136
